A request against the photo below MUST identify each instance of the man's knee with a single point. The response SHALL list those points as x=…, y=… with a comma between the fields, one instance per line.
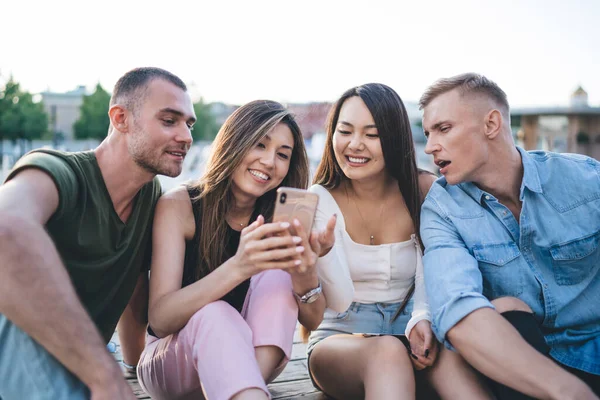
x=521, y=317
x=505, y=304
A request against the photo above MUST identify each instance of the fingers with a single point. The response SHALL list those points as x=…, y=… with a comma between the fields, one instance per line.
x=286, y=264
x=259, y=221
x=423, y=361
x=417, y=364
x=327, y=236
x=277, y=254
x=300, y=231
x=329, y=229
x=433, y=352
x=263, y=230
x=428, y=341
x=314, y=242
x=273, y=242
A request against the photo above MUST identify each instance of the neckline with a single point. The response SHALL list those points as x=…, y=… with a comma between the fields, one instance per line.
x=115, y=215
x=371, y=246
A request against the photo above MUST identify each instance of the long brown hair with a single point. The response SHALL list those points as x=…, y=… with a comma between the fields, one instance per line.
x=395, y=135
x=240, y=133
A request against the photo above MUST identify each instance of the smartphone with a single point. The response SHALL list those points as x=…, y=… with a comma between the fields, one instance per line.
x=296, y=203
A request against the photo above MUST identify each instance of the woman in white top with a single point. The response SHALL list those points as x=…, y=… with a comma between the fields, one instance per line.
x=368, y=177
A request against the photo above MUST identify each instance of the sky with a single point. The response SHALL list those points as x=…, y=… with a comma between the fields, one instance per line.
x=308, y=50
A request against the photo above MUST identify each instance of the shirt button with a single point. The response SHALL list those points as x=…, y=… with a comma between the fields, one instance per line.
x=504, y=213
x=487, y=197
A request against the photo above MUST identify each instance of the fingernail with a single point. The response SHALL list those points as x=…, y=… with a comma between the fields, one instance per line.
x=297, y=262
x=413, y=356
x=297, y=239
x=296, y=222
x=300, y=249
x=285, y=225
x=426, y=353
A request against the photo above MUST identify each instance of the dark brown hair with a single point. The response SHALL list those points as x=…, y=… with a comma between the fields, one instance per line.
x=393, y=127
x=240, y=133
x=130, y=89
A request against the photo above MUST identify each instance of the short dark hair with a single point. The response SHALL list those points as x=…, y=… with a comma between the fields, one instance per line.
x=130, y=88
x=467, y=83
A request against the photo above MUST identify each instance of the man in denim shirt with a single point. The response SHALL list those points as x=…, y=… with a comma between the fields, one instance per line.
x=512, y=255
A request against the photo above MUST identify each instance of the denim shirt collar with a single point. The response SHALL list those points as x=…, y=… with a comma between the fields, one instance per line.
x=531, y=179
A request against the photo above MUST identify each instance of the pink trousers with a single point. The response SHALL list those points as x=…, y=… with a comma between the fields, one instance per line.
x=215, y=349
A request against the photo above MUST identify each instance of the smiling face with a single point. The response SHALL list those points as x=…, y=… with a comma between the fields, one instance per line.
x=356, y=142
x=455, y=129
x=161, y=131
x=266, y=164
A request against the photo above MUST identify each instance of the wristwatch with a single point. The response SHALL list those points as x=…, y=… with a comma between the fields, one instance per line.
x=311, y=296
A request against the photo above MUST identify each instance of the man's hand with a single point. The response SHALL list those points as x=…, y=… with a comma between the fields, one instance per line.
x=118, y=389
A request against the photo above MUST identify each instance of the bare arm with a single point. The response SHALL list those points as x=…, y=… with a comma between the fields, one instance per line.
x=171, y=306
x=133, y=322
x=494, y=347
x=36, y=293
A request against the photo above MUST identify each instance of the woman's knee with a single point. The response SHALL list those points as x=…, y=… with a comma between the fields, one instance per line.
x=385, y=352
x=274, y=282
x=504, y=304
x=215, y=311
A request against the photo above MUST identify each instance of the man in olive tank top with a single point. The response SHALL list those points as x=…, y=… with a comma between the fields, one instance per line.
x=75, y=237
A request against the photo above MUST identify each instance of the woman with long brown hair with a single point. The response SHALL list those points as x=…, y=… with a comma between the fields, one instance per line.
x=222, y=309
x=375, y=331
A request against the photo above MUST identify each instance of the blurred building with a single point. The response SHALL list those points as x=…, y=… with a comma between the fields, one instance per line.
x=574, y=128
x=221, y=111
x=63, y=110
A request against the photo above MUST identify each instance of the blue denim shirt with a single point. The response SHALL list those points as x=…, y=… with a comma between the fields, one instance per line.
x=476, y=251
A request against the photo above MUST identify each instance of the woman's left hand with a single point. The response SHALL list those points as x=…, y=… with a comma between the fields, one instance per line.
x=423, y=345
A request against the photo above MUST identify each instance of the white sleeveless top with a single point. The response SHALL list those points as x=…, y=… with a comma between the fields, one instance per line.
x=368, y=274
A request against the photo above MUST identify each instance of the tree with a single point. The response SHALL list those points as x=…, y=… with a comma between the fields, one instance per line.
x=93, y=121
x=206, y=126
x=20, y=117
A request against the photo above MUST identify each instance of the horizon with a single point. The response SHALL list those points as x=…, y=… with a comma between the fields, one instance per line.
x=537, y=51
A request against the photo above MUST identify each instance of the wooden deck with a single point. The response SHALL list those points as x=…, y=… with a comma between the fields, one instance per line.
x=293, y=383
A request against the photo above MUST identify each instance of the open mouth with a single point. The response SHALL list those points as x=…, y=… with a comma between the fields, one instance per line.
x=357, y=160
x=260, y=176
x=178, y=154
x=442, y=163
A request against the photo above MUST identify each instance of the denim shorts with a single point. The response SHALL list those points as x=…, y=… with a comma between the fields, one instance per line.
x=362, y=318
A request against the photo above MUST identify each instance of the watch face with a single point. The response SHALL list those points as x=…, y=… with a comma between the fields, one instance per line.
x=312, y=298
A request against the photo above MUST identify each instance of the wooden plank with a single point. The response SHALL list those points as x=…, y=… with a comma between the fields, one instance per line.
x=292, y=389
x=299, y=351
x=295, y=370
x=306, y=396
x=137, y=389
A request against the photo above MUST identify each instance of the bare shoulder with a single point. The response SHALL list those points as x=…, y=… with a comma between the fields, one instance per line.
x=426, y=179
x=176, y=206
x=32, y=193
